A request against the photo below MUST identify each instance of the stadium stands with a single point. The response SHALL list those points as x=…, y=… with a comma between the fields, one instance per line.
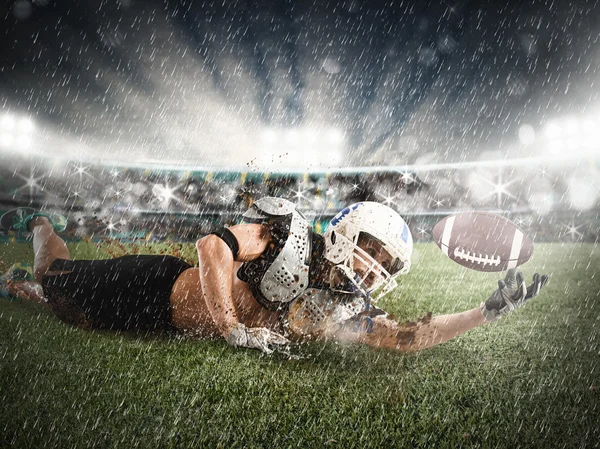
x=132, y=203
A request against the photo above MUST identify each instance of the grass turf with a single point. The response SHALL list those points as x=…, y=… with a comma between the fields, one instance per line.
x=531, y=380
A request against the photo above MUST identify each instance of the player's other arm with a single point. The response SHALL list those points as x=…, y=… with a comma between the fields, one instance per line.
x=216, y=263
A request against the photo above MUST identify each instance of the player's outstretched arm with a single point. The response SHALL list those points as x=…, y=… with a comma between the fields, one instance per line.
x=381, y=332
x=429, y=331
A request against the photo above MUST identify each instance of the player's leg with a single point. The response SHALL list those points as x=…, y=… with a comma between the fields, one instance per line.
x=47, y=246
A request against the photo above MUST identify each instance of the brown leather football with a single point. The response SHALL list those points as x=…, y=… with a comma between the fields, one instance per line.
x=483, y=241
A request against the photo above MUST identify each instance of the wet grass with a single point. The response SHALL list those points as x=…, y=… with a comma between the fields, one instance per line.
x=531, y=380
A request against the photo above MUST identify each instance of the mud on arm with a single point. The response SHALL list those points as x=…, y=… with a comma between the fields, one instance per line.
x=428, y=331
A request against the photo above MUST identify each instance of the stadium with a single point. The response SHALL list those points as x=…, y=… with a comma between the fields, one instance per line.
x=150, y=125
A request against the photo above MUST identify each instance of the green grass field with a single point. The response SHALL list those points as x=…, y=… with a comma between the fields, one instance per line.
x=531, y=380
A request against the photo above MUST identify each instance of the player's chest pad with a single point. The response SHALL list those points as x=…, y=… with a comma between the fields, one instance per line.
x=287, y=276
x=282, y=272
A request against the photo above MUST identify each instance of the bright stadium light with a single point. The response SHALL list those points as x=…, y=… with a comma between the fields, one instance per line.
x=23, y=142
x=573, y=143
x=26, y=125
x=291, y=136
x=571, y=126
x=311, y=136
x=526, y=134
x=7, y=122
x=6, y=139
x=310, y=156
x=269, y=136
x=16, y=131
x=553, y=130
x=334, y=136
x=591, y=140
x=589, y=126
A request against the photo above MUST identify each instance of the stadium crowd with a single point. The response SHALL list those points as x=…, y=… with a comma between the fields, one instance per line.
x=133, y=203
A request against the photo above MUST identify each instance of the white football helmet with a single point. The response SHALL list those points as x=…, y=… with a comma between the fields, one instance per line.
x=386, y=247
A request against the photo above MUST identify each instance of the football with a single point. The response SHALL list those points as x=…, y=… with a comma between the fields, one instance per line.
x=483, y=241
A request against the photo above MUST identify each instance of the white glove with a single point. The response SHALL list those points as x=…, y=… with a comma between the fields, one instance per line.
x=512, y=293
x=259, y=338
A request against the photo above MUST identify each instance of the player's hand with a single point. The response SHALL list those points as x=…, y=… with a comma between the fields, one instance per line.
x=259, y=338
x=512, y=293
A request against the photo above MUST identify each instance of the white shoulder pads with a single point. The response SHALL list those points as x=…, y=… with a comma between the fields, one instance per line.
x=270, y=206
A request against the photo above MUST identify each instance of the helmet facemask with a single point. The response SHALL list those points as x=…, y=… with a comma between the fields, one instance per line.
x=362, y=271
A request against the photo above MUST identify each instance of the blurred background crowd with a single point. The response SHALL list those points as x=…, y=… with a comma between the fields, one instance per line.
x=103, y=202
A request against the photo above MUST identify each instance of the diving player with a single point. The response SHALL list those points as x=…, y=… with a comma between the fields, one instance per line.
x=260, y=283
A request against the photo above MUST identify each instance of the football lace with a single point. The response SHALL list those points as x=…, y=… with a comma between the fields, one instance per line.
x=483, y=259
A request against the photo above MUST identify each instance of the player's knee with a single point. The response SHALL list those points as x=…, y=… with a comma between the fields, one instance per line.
x=37, y=224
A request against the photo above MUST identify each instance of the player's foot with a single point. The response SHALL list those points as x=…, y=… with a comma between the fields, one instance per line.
x=19, y=272
x=18, y=219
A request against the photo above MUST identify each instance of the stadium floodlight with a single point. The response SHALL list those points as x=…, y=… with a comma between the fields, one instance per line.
x=310, y=157
x=311, y=136
x=553, y=130
x=291, y=136
x=269, y=136
x=16, y=131
x=573, y=143
x=6, y=139
x=334, y=136
x=591, y=140
x=571, y=126
x=23, y=142
x=526, y=134
x=7, y=122
x=26, y=125
x=588, y=125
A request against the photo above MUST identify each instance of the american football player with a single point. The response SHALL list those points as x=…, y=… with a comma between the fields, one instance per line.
x=260, y=283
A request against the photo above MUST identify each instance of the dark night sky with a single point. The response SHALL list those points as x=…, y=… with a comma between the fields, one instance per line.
x=202, y=82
